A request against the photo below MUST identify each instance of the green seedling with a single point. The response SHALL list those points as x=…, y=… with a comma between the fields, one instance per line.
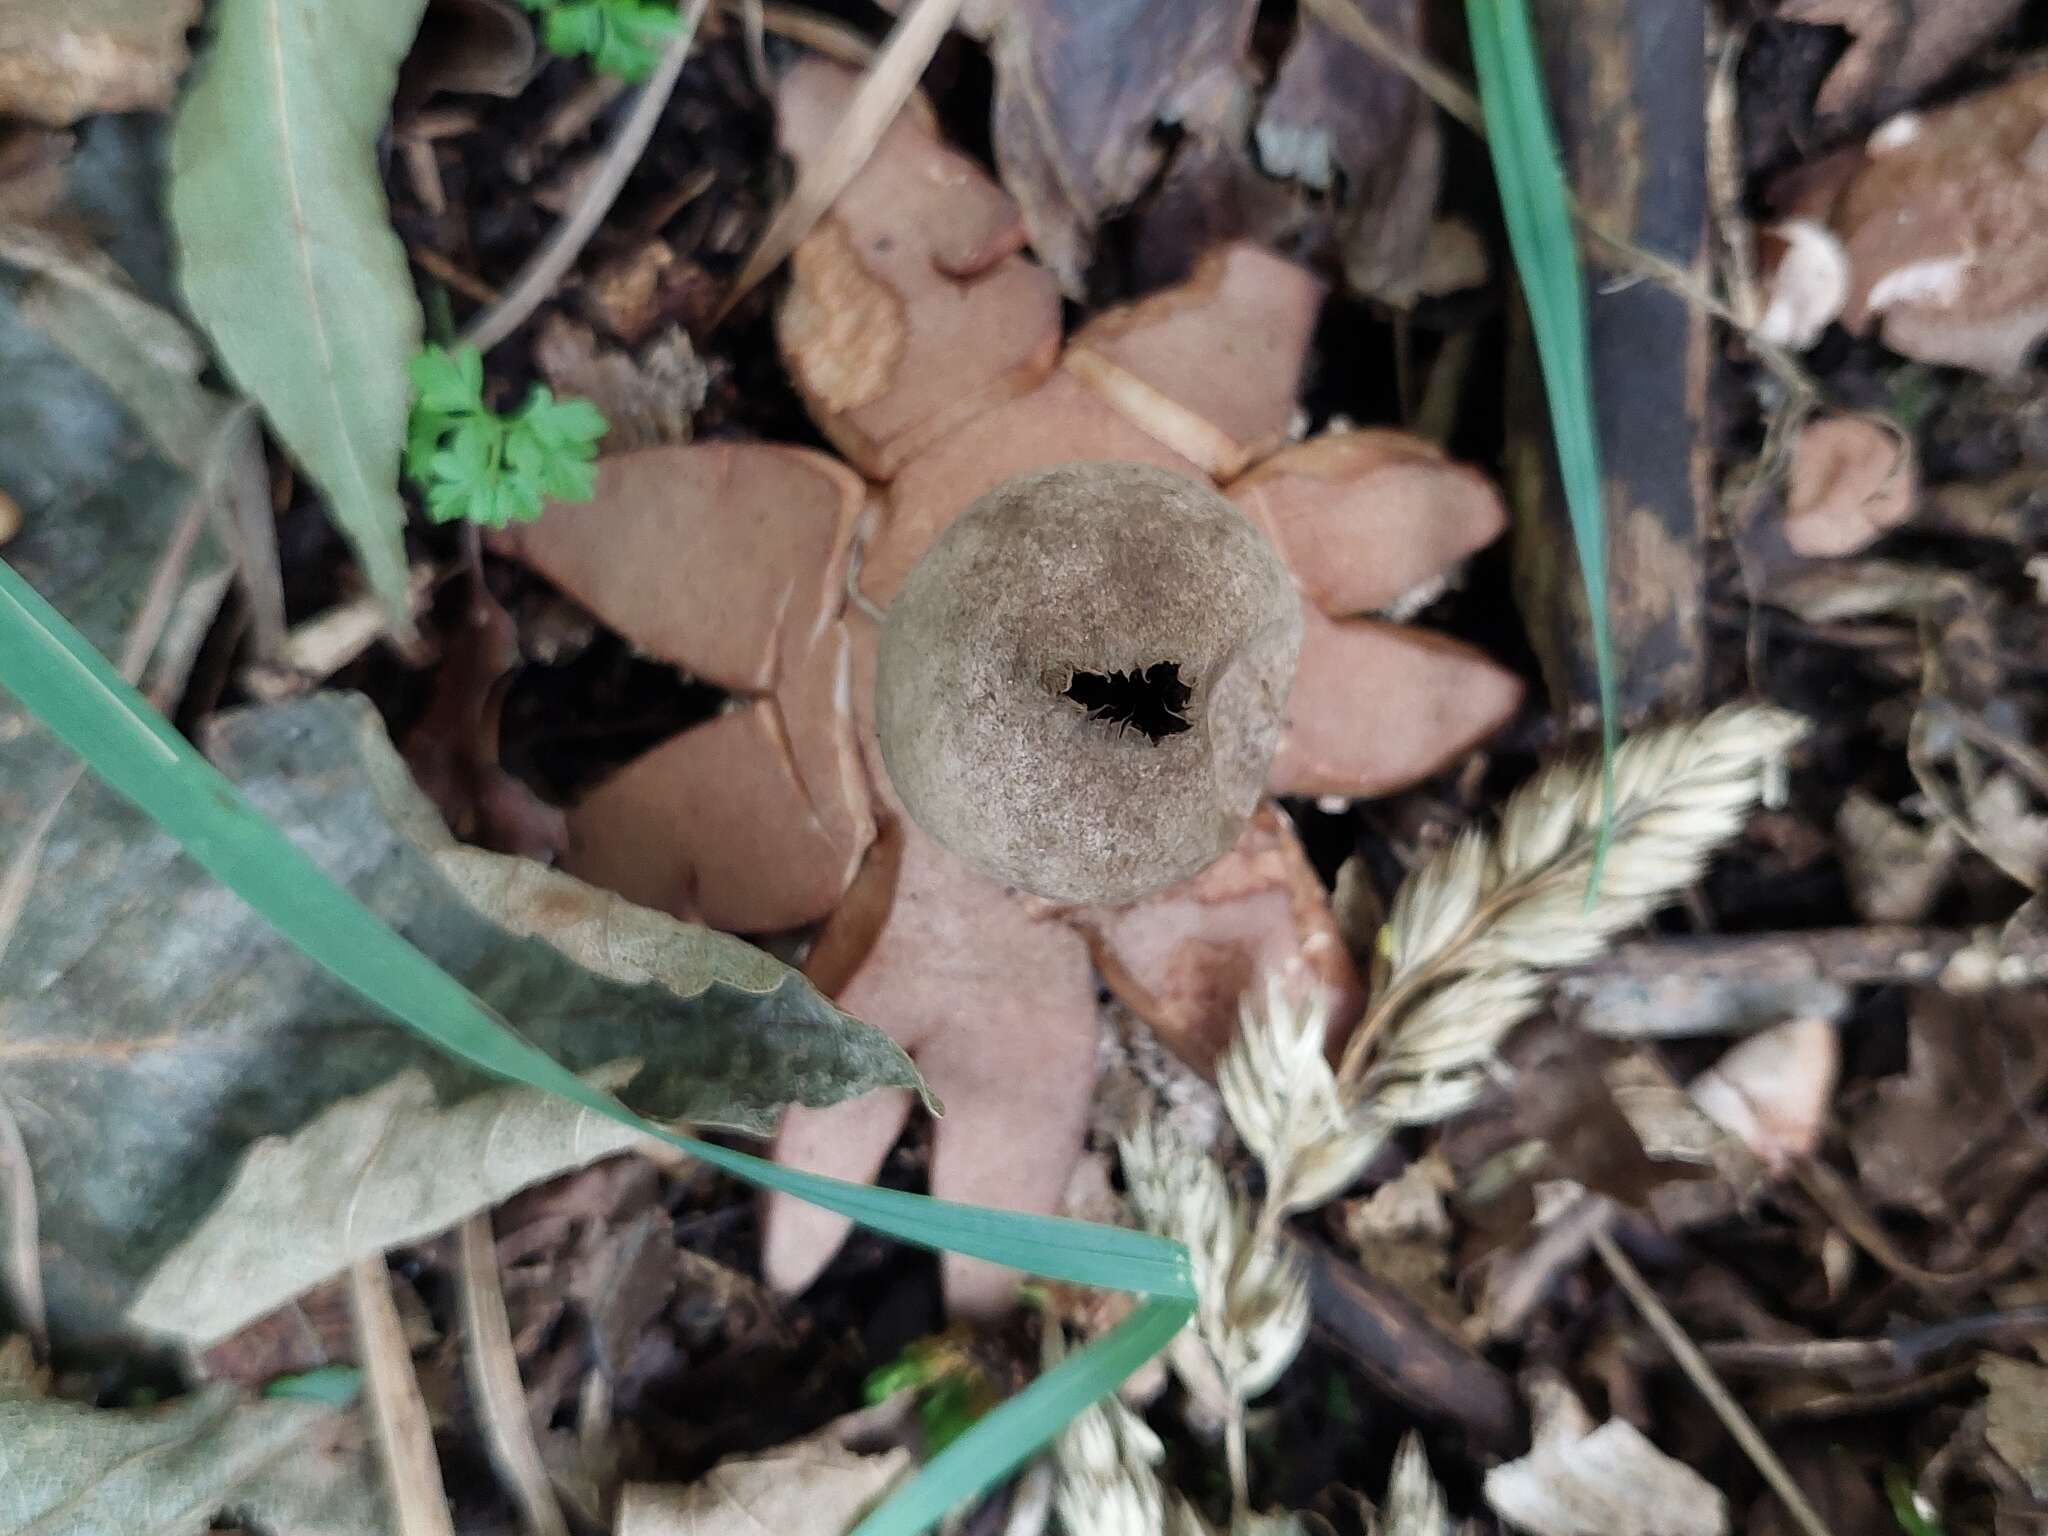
x=335, y=1385
x=953, y=1389
x=474, y=464
x=619, y=37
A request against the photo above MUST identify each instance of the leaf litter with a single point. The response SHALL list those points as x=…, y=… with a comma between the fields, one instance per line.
x=769, y=813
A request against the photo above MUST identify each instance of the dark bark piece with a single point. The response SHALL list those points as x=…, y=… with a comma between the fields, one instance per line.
x=1408, y=1356
x=1627, y=87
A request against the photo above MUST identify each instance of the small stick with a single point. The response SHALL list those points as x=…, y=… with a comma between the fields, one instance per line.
x=405, y=1440
x=20, y=1246
x=1701, y=1374
x=468, y=284
x=546, y=267
x=494, y=1379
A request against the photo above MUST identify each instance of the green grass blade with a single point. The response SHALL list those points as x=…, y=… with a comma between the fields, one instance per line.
x=1026, y=1421
x=72, y=689
x=1536, y=208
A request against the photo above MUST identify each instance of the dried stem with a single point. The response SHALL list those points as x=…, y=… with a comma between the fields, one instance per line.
x=1701, y=1374
x=405, y=1441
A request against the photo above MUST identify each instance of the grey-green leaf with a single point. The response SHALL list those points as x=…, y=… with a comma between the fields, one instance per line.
x=285, y=252
x=157, y=1026
x=374, y=1172
x=71, y=1470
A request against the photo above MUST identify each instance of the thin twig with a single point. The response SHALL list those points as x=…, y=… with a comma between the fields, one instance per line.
x=236, y=476
x=405, y=1439
x=22, y=1270
x=1440, y=85
x=494, y=1380
x=546, y=267
x=880, y=96
x=1701, y=1374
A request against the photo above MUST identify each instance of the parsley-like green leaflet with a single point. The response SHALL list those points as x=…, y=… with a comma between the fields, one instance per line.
x=474, y=464
x=619, y=37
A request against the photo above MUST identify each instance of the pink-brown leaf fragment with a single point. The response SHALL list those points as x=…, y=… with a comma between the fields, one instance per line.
x=1853, y=480
x=909, y=309
x=1376, y=707
x=1362, y=518
x=1945, y=228
x=714, y=557
x=1899, y=47
x=1183, y=959
x=1211, y=367
x=996, y=1004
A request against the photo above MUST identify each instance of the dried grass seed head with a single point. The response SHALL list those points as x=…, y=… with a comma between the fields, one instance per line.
x=1079, y=688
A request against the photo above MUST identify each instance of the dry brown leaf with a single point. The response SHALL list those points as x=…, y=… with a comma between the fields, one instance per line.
x=1772, y=1091
x=1578, y=1480
x=1075, y=122
x=649, y=399
x=1945, y=227
x=1181, y=960
x=61, y=60
x=909, y=310
x=1349, y=125
x=2016, y=1421
x=816, y=1486
x=1900, y=47
x=484, y=47
x=1853, y=480
x=1896, y=869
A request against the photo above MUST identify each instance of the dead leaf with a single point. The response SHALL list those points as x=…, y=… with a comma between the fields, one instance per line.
x=626, y=1284
x=1970, y=1064
x=815, y=1487
x=1895, y=868
x=1943, y=226
x=649, y=398
x=1853, y=480
x=2017, y=1417
x=1182, y=959
x=1578, y=1480
x=1771, y=1091
x=372, y=1173
x=484, y=47
x=1075, y=123
x=909, y=310
x=1415, y=1504
x=1900, y=47
x=182, y=1469
x=1351, y=126
x=61, y=60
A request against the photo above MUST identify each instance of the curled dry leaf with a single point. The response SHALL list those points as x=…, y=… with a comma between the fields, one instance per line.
x=61, y=60
x=1075, y=125
x=1853, y=481
x=1941, y=222
x=909, y=310
x=2016, y=1418
x=1771, y=1092
x=1900, y=47
x=1415, y=1503
x=1578, y=1480
x=648, y=398
x=819, y=1486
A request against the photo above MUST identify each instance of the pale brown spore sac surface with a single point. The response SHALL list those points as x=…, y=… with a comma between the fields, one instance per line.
x=1080, y=686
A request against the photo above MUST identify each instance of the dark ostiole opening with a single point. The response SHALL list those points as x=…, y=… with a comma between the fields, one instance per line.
x=1153, y=700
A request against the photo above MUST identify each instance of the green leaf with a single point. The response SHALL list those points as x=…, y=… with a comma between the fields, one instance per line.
x=568, y=479
x=65, y=683
x=335, y=1385
x=1536, y=207
x=449, y=383
x=574, y=30
x=285, y=251
x=564, y=423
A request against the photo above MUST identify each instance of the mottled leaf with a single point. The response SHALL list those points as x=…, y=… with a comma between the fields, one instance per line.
x=71, y=1470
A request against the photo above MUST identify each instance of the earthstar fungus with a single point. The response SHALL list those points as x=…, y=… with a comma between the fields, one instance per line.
x=1080, y=686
